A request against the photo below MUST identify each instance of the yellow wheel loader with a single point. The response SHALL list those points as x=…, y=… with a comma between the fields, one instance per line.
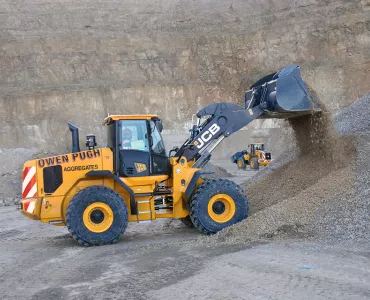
x=255, y=157
x=96, y=192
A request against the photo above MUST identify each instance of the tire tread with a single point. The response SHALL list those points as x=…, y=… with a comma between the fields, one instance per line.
x=78, y=198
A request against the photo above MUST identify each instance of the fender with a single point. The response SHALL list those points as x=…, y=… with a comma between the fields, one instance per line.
x=193, y=182
x=106, y=173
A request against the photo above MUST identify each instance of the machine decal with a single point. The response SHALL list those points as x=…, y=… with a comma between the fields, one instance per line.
x=29, y=184
x=81, y=168
x=140, y=167
x=206, y=136
x=61, y=159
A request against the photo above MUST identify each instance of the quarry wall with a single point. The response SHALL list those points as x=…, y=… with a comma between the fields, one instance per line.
x=74, y=61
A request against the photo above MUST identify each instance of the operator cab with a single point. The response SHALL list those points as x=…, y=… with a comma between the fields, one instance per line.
x=259, y=146
x=256, y=146
x=137, y=145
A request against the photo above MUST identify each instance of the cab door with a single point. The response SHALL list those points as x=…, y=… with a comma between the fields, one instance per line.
x=159, y=159
x=134, y=149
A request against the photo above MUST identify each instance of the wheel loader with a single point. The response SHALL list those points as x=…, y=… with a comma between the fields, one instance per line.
x=255, y=157
x=97, y=191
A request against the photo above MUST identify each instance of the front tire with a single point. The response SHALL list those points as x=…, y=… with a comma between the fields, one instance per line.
x=97, y=216
x=241, y=164
x=217, y=204
x=254, y=164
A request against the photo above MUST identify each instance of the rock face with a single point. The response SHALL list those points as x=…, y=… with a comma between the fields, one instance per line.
x=78, y=61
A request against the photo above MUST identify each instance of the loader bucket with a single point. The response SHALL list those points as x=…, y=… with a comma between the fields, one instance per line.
x=282, y=95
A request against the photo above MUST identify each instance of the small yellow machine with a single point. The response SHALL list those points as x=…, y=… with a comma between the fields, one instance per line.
x=96, y=192
x=255, y=157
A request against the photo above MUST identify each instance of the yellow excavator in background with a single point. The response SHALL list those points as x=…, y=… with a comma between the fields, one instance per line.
x=255, y=157
x=96, y=192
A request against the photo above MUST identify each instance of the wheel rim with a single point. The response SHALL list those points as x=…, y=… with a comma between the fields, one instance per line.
x=98, y=217
x=240, y=163
x=221, y=208
x=252, y=164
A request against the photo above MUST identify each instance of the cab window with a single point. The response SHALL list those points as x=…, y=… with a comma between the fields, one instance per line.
x=160, y=161
x=134, y=135
x=158, y=145
x=259, y=147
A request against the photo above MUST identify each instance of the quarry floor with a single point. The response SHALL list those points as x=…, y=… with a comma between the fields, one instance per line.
x=164, y=260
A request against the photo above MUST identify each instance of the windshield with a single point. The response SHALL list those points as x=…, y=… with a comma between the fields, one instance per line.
x=259, y=147
x=134, y=135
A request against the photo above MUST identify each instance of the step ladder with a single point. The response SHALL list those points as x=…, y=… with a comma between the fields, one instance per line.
x=142, y=212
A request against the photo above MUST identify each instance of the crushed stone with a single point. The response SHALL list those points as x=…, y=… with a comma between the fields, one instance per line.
x=321, y=190
x=219, y=172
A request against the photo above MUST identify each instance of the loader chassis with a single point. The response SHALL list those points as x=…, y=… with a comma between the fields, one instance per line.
x=96, y=192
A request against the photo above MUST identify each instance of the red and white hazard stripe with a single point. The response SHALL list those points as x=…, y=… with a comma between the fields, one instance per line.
x=29, y=206
x=29, y=184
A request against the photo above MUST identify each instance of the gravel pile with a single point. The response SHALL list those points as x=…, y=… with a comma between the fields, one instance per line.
x=293, y=217
x=354, y=212
x=219, y=172
x=355, y=119
x=277, y=162
x=323, y=191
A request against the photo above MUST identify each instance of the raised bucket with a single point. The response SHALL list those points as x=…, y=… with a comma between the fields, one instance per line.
x=282, y=95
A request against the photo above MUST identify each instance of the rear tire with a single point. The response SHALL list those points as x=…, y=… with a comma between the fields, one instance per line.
x=217, y=204
x=97, y=216
x=254, y=164
x=241, y=164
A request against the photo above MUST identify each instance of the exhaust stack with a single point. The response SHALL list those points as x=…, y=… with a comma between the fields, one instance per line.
x=75, y=138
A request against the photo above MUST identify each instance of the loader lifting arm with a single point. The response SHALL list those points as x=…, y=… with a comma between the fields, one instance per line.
x=223, y=120
x=283, y=94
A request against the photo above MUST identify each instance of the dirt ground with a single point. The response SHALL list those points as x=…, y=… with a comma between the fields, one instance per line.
x=166, y=261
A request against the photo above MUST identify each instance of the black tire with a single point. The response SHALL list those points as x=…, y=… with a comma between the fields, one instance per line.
x=241, y=163
x=254, y=163
x=87, y=197
x=200, y=201
x=187, y=221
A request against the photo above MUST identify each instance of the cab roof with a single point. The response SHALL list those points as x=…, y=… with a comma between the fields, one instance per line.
x=111, y=118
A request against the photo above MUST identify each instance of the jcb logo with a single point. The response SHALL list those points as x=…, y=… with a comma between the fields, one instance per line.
x=206, y=136
x=140, y=167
